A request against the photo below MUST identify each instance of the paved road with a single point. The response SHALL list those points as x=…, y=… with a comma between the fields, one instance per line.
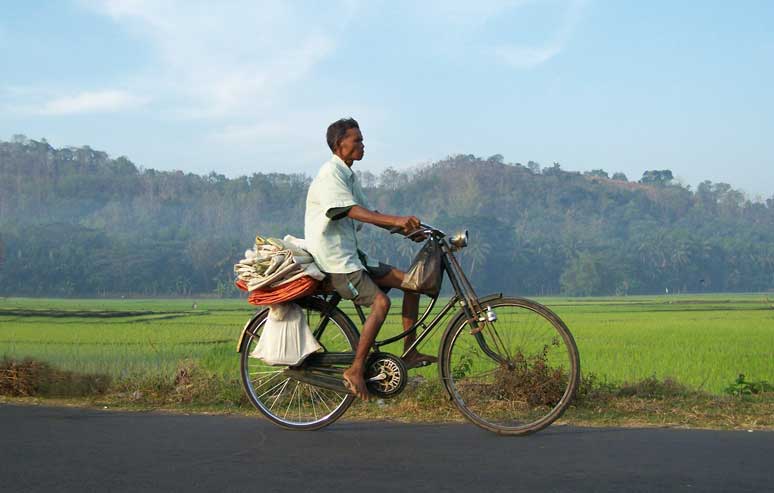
x=66, y=449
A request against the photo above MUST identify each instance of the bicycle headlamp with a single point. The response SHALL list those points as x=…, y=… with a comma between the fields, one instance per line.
x=459, y=240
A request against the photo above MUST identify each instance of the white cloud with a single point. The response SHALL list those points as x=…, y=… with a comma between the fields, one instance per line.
x=529, y=56
x=251, y=133
x=454, y=27
x=294, y=129
x=465, y=13
x=228, y=58
x=92, y=102
x=296, y=138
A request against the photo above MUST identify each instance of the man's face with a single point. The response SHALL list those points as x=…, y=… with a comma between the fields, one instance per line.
x=351, y=147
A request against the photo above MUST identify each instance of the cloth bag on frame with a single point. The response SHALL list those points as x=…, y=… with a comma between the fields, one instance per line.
x=286, y=338
x=424, y=275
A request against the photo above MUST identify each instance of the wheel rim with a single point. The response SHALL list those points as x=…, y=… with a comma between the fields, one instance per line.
x=285, y=400
x=531, y=386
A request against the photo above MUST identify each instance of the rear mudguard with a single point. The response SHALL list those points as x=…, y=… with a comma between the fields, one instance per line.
x=250, y=323
x=456, y=320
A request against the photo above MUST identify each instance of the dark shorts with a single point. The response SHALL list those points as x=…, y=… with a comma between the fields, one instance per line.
x=359, y=286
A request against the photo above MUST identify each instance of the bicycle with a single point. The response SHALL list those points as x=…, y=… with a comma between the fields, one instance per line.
x=509, y=365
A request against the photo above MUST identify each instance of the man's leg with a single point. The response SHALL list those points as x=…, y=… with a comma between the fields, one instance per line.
x=412, y=358
x=354, y=375
x=410, y=314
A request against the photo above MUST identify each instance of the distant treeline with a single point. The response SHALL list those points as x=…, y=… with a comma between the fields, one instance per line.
x=74, y=222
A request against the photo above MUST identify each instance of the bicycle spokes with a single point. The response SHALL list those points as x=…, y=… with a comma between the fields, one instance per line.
x=517, y=374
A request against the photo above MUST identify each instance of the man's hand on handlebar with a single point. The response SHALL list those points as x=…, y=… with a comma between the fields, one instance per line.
x=407, y=224
x=395, y=224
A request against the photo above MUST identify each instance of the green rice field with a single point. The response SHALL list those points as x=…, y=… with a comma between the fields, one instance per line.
x=702, y=341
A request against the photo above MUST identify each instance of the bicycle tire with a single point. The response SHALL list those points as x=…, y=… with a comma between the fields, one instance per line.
x=258, y=378
x=525, y=392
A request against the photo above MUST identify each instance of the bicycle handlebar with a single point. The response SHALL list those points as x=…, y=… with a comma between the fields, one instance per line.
x=423, y=228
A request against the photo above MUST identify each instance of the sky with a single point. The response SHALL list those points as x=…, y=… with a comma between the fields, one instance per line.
x=239, y=87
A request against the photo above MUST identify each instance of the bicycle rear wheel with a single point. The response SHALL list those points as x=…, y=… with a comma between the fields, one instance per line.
x=285, y=400
x=518, y=375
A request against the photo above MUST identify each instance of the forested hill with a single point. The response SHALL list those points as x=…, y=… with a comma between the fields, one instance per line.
x=74, y=222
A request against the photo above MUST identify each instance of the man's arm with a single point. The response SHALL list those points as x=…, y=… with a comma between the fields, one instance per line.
x=407, y=224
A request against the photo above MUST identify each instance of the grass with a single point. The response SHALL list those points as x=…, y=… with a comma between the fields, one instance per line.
x=702, y=342
x=646, y=403
x=167, y=353
x=148, y=337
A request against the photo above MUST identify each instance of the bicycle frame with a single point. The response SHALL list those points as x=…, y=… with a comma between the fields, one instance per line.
x=464, y=295
x=315, y=370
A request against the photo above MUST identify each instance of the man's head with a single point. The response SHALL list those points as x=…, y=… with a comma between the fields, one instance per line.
x=345, y=140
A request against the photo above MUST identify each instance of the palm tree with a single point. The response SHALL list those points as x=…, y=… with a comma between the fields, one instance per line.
x=406, y=250
x=680, y=255
x=477, y=252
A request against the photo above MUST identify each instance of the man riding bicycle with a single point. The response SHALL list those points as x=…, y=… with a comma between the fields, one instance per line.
x=334, y=204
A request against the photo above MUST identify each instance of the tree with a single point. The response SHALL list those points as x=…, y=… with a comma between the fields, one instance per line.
x=406, y=250
x=657, y=177
x=583, y=276
x=619, y=176
x=390, y=179
x=73, y=221
x=554, y=170
x=476, y=253
x=367, y=179
x=598, y=173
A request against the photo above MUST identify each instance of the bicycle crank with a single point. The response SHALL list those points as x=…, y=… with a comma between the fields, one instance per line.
x=385, y=375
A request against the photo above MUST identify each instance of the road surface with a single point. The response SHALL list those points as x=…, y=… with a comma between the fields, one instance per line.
x=69, y=449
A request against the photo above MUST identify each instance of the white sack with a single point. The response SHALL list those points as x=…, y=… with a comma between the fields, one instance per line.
x=286, y=338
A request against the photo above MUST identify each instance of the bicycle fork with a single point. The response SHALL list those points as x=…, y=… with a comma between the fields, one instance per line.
x=478, y=318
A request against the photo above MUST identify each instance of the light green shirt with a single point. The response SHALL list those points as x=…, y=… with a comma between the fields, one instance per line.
x=333, y=242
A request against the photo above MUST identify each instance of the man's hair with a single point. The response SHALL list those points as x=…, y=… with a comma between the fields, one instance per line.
x=338, y=129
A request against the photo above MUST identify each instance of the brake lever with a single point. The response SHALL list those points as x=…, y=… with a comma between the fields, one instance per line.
x=422, y=231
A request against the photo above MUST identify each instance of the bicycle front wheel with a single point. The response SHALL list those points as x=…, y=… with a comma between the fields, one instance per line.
x=284, y=400
x=518, y=375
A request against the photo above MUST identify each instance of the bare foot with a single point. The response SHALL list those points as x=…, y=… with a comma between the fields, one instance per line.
x=415, y=359
x=355, y=383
